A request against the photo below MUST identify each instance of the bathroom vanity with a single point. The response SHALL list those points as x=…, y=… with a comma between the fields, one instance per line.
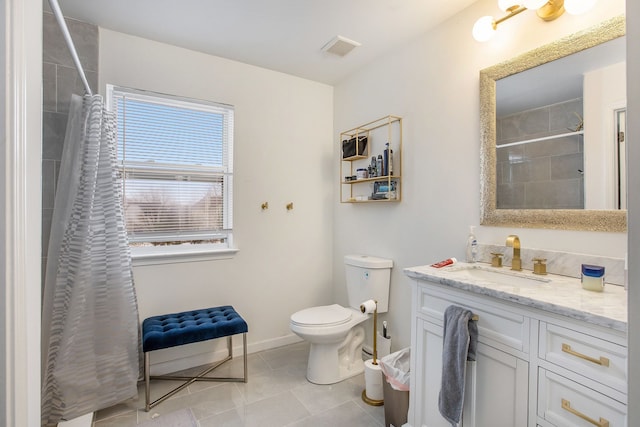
x=549, y=353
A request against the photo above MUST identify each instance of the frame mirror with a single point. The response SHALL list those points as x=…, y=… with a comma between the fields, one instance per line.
x=567, y=219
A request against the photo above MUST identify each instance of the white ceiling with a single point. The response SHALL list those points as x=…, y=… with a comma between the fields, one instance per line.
x=281, y=35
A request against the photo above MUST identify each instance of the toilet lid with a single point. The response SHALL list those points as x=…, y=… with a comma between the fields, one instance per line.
x=326, y=315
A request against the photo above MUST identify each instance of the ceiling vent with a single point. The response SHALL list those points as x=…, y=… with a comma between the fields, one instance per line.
x=340, y=46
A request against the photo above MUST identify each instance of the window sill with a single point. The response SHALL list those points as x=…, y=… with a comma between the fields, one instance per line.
x=168, y=255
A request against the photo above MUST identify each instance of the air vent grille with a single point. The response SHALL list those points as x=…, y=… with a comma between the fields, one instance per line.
x=340, y=46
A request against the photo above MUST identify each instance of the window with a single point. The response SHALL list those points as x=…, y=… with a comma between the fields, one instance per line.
x=174, y=158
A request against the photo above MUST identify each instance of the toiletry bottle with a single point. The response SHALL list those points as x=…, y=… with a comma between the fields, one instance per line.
x=385, y=160
x=592, y=278
x=380, y=167
x=390, y=162
x=374, y=167
x=446, y=262
x=472, y=246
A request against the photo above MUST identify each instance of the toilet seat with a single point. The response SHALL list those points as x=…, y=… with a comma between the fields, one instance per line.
x=325, y=315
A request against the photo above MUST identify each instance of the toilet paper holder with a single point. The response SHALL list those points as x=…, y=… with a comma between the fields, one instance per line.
x=373, y=379
x=368, y=307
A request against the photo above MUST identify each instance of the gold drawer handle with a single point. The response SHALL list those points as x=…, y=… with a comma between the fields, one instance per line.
x=566, y=405
x=601, y=361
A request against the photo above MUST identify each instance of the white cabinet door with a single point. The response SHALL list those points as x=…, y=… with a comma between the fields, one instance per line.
x=500, y=390
x=427, y=379
x=428, y=373
x=496, y=390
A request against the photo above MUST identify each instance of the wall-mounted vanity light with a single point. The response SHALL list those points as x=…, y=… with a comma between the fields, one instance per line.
x=486, y=26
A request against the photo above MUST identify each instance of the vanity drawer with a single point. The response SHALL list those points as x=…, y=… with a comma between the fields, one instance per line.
x=592, y=357
x=497, y=326
x=563, y=402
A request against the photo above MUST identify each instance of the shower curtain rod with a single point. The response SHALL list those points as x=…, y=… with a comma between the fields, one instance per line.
x=72, y=49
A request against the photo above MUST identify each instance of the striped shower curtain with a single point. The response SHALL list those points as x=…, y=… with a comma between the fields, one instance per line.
x=90, y=327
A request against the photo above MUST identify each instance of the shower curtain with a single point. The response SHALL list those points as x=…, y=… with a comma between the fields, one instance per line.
x=90, y=327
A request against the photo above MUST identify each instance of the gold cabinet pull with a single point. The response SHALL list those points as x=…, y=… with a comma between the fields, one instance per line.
x=566, y=405
x=603, y=361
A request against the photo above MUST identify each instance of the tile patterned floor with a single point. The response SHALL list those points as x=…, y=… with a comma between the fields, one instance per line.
x=276, y=395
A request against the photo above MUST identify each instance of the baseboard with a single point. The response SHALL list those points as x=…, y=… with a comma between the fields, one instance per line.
x=203, y=358
x=272, y=343
x=82, y=421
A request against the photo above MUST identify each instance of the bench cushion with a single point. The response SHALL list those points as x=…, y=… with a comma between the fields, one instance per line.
x=170, y=330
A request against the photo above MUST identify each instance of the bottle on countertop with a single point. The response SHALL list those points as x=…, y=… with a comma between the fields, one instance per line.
x=446, y=262
x=592, y=277
x=472, y=246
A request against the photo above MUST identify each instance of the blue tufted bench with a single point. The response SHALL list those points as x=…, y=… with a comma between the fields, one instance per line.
x=171, y=330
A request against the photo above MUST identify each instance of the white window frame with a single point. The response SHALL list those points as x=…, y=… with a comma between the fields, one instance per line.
x=188, y=252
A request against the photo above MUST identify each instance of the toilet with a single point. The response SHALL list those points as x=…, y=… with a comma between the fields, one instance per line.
x=336, y=333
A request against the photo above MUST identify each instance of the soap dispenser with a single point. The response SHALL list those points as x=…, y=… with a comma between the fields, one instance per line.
x=472, y=246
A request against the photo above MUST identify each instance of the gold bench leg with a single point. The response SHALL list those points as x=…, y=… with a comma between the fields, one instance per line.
x=147, y=384
x=190, y=380
x=244, y=355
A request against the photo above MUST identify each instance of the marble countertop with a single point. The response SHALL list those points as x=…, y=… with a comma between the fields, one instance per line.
x=560, y=294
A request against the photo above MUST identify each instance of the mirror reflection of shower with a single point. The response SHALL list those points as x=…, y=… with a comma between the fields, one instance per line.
x=621, y=158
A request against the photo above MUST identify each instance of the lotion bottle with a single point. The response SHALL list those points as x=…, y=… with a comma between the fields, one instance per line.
x=472, y=246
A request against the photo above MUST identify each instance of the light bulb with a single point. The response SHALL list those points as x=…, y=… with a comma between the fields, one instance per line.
x=576, y=7
x=505, y=5
x=534, y=4
x=483, y=29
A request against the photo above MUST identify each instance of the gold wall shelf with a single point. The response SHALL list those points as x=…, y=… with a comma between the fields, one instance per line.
x=379, y=132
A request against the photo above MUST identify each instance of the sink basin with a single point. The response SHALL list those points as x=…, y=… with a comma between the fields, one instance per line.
x=502, y=277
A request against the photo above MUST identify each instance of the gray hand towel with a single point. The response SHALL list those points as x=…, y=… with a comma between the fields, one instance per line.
x=460, y=341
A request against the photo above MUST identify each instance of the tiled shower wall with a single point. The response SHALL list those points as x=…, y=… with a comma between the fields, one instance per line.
x=545, y=174
x=60, y=80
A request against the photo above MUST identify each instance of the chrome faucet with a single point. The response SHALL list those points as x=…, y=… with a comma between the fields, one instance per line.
x=514, y=242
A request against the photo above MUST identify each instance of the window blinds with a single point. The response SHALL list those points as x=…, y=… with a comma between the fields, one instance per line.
x=175, y=162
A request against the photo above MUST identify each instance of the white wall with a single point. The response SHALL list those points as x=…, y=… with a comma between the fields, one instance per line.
x=633, y=151
x=3, y=183
x=605, y=91
x=282, y=153
x=433, y=84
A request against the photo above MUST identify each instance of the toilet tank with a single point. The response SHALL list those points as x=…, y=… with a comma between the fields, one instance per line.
x=368, y=277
